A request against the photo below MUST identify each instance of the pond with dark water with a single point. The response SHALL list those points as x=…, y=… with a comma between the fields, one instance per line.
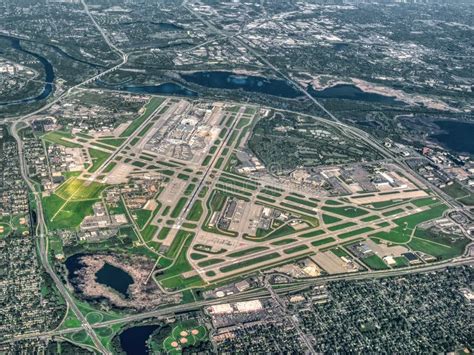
x=166, y=88
x=458, y=136
x=352, y=92
x=232, y=81
x=109, y=275
x=134, y=340
x=114, y=277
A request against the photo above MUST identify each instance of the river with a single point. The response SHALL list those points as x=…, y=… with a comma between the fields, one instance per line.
x=48, y=70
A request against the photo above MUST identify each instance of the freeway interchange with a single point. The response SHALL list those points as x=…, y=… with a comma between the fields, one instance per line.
x=245, y=251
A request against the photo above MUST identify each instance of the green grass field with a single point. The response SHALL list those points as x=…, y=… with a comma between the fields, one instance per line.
x=284, y=241
x=455, y=190
x=179, y=241
x=270, y=192
x=184, y=334
x=351, y=212
x=386, y=204
x=247, y=252
x=115, y=142
x=239, y=183
x=341, y=226
x=196, y=211
x=172, y=278
x=57, y=137
x=401, y=261
x=210, y=262
x=198, y=256
x=71, y=203
x=402, y=233
x=150, y=107
x=311, y=234
x=375, y=263
x=392, y=212
x=266, y=199
x=327, y=219
x=340, y=252
x=141, y=217
x=78, y=189
x=327, y=240
x=355, y=232
x=6, y=229
x=295, y=249
x=148, y=232
x=62, y=215
x=163, y=233
x=110, y=167
x=98, y=158
x=333, y=203
x=179, y=207
x=301, y=201
x=370, y=218
x=438, y=245
x=307, y=211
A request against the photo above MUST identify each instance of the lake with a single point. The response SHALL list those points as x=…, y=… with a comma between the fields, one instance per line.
x=281, y=88
x=108, y=275
x=166, y=88
x=134, y=340
x=115, y=278
x=352, y=92
x=163, y=26
x=458, y=136
x=248, y=83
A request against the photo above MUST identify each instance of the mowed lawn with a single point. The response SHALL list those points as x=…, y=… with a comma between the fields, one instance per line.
x=61, y=214
x=58, y=138
x=79, y=189
x=406, y=225
x=71, y=203
x=150, y=107
x=98, y=158
x=439, y=245
x=351, y=212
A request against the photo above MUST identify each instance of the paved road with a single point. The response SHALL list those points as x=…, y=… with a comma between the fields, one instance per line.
x=260, y=293
x=289, y=317
x=43, y=244
x=43, y=249
x=365, y=137
x=41, y=227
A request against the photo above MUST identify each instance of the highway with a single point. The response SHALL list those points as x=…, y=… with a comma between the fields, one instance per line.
x=350, y=130
x=41, y=227
x=124, y=60
x=267, y=291
x=262, y=292
x=276, y=297
x=41, y=232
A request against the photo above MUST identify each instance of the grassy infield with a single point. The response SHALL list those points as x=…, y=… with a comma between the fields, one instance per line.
x=406, y=232
x=71, y=203
x=74, y=199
